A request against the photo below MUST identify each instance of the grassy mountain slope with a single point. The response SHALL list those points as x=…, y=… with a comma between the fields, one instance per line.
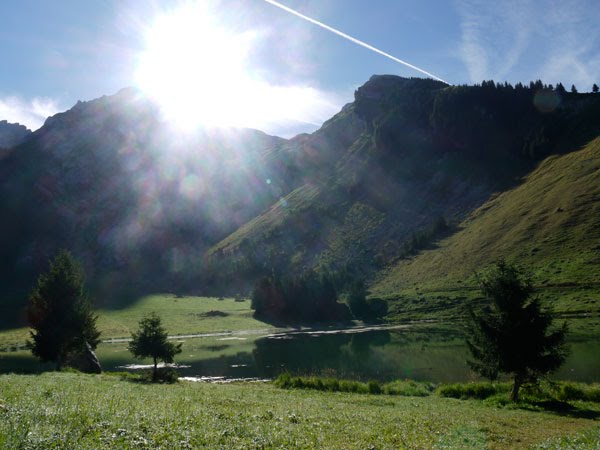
x=419, y=158
x=549, y=224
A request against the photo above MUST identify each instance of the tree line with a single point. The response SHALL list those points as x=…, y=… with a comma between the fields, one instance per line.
x=532, y=86
x=314, y=297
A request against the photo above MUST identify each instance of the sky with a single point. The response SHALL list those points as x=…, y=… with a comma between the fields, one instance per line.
x=251, y=63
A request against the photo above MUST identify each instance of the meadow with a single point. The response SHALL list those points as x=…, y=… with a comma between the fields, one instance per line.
x=70, y=410
x=181, y=315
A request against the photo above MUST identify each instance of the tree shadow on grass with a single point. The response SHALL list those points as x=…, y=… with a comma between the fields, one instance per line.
x=561, y=408
x=18, y=363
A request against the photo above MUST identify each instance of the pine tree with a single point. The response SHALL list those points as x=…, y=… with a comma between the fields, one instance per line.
x=60, y=312
x=513, y=336
x=151, y=341
x=595, y=88
x=573, y=89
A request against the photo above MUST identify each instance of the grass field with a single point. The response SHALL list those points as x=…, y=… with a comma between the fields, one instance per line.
x=67, y=410
x=180, y=316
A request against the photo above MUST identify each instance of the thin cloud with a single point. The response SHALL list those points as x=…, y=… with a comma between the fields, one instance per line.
x=525, y=40
x=494, y=36
x=573, y=40
x=352, y=39
x=31, y=113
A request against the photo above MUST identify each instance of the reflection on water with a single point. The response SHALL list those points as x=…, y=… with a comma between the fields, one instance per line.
x=427, y=353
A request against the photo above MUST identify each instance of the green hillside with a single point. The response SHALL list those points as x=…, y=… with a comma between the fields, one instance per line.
x=549, y=225
x=418, y=161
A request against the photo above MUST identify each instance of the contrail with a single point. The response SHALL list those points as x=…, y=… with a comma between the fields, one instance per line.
x=352, y=39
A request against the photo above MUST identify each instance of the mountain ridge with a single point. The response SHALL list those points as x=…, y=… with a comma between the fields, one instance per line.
x=149, y=210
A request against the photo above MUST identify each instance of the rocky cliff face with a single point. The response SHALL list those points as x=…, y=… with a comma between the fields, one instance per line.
x=12, y=134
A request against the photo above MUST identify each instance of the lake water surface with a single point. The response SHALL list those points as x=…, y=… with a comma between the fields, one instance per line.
x=420, y=352
x=424, y=353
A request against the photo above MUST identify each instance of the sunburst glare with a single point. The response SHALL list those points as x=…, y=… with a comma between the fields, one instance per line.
x=200, y=73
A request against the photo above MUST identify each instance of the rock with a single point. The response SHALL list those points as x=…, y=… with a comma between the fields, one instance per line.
x=12, y=134
x=86, y=361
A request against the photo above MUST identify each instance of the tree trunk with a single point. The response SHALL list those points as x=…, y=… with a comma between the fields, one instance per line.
x=514, y=395
x=154, y=371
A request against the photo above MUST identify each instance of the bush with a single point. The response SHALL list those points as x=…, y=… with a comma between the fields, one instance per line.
x=406, y=388
x=478, y=391
x=575, y=391
x=374, y=387
x=163, y=375
x=409, y=388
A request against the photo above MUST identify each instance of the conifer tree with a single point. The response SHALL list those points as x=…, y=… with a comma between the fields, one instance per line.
x=513, y=336
x=60, y=312
x=151, y=341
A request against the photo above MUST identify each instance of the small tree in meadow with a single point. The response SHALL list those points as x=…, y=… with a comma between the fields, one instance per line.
x=513, y=336
x=151, y=341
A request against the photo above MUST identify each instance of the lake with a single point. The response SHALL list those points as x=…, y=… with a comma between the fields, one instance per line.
x=421, y=352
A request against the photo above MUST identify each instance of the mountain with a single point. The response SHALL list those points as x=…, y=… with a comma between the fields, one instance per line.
x=424, y=156
x=133, y=199
x=549, y=224
x=147, y=207
x=12, y=134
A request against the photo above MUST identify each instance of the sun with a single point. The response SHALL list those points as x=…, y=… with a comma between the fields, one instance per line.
x=196, y=69
x=200, y=70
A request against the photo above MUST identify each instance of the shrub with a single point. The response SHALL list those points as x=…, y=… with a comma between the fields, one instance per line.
x=471, y=390
x=572, y=391
x=374, y=387
x=409, y=388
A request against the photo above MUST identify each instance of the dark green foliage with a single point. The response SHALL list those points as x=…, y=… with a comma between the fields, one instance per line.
x=547, y=391
x=310, y=297
x=478, y=391
x=421, y=239
x=377, y=307
x=512, y=335
x=60, y=312
x=357, y=299
x=409, y=388
x=163, y=375
x=573, y=89
x=361, y=307
x=286, y=381
x=576, y=391
x=595, y=88
x=374, y=387
x=151, y=341
x=398, y=387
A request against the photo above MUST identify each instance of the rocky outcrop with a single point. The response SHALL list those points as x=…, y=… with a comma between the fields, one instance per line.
x=86, y=361
x=12, y=134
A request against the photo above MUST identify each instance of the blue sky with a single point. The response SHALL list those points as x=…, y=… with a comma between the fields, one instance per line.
x=55, y=52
